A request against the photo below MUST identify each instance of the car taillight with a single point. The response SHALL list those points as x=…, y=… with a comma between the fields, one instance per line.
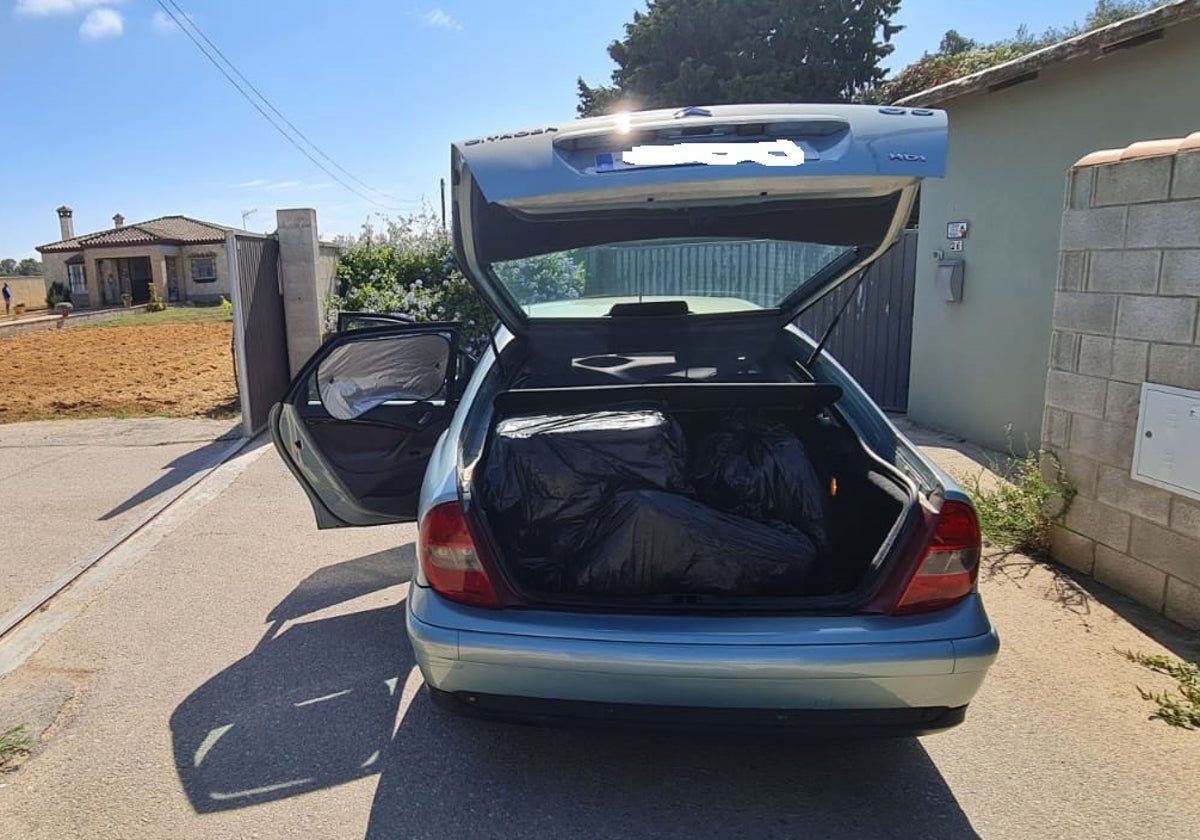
x=449, y=560
x=951, y=563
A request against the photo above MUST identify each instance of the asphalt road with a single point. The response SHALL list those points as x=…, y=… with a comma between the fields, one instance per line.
x=248, y=676
x=69, y=487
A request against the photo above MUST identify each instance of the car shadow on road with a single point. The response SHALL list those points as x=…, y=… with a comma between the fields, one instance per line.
x=316, y=705
x=312, y=706
x=180, y=470
x=452, y=777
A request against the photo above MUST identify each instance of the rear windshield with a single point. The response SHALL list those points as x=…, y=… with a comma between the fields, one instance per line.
x=710, y=274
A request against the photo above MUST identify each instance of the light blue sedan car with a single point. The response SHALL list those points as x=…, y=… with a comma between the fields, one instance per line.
x=653, y=500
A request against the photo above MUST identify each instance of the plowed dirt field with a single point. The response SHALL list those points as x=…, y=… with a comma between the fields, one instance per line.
x=173, y=370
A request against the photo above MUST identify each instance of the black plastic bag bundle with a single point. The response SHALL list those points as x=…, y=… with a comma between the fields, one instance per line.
x=547, y=476
x=759, y=469
x=648, y=542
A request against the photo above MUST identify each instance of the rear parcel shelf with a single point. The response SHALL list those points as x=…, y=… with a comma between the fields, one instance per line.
x=805, y=397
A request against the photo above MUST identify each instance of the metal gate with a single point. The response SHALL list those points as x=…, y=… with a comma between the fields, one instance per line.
x=874, y=338
x=259, y=330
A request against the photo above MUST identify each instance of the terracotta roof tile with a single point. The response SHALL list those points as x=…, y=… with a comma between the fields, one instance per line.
x=171, y=230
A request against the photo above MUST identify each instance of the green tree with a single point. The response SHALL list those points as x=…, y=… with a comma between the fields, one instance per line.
x=1111, y=11
x=29, y=267
x=597, y=100
x=953, y=43
x=712, y=52
x=8, y=267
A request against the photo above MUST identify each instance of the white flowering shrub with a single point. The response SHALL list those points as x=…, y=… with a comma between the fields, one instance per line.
x=407, y=268
x=543, y=277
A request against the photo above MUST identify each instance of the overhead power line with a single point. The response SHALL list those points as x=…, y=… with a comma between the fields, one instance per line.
x=179, y=16
x=275, y=110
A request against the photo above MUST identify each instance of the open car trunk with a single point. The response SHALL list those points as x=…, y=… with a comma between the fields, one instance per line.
x=695, y=495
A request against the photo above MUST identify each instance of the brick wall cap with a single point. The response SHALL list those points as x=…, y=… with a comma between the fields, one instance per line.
x=1096, y=158
x=1191, y=142
x=1141, y=149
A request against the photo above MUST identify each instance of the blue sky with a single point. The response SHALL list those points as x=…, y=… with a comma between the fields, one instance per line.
x=109, y=108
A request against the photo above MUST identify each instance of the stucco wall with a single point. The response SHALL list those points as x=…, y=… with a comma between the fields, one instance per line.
x=980, y=364
x=30, y=291
x=204, y=292
x=1126, y=312
x=54, y=267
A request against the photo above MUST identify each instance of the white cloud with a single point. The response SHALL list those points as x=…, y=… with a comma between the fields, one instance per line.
x=101, y=23
x=257, y=182
x=44, y=8
x=441, y=20
x=162, y=23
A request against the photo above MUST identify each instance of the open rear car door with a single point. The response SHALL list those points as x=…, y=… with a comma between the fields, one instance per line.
x=360, y=421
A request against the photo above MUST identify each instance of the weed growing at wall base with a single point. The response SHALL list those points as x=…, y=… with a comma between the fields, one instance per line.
x=1016, y=511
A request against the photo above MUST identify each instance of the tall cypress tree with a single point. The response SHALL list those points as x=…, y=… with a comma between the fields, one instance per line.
x=712, y=52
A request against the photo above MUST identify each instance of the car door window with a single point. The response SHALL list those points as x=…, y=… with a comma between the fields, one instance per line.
x=363, y=417
x=355, y=378
x=347, y=321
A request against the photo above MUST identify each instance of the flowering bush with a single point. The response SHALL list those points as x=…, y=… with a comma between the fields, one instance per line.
x=933, y=70
x=958, y=56
x=408, y=269
x=541, y=278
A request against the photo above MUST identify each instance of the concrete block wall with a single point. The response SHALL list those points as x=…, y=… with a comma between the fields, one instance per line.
x=1126, y=312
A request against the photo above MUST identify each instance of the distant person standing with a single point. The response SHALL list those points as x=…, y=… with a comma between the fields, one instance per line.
x=7, y=298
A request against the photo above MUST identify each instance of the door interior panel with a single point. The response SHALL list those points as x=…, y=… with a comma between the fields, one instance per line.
x=365, y=463
x=381, y=461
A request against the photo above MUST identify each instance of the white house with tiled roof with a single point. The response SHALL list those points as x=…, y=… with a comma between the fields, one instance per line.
x=185, y=258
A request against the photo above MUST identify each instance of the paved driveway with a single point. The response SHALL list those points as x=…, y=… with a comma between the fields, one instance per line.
x=69, y=488
x=249, y=677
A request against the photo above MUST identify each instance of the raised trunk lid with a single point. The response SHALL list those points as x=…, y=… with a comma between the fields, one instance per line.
x=738, y=208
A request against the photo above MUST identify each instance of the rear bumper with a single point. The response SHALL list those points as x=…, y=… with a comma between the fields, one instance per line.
x=929, y=665
x=808, y=723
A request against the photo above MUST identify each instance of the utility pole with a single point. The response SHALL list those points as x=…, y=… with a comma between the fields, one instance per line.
x=442, y=183
x=246, y=214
